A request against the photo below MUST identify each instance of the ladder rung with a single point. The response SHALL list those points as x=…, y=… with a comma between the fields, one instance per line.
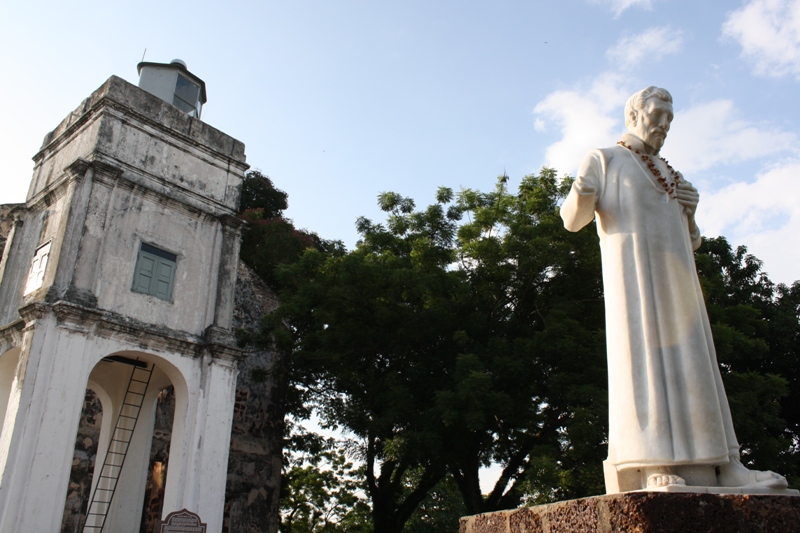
x=121, y=446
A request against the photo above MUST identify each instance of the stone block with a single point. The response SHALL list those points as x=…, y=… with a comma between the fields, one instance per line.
x=647, y=512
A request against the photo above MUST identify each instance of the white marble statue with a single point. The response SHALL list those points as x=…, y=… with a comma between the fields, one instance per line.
x=669, y=420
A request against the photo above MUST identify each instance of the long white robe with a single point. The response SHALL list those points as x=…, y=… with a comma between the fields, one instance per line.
x=667, y=404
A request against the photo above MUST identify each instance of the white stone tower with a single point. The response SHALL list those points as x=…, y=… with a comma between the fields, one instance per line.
x=118, y=276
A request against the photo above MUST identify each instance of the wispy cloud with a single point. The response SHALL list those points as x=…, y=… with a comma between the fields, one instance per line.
x=619, y=6
x=763, y=214
x=714, y=136
x=769, y=34
x=591, y=114
x=713, y=133
x=651, y=44
x=587, y=117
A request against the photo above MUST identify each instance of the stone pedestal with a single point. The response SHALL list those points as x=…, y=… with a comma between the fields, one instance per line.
x=647, y=512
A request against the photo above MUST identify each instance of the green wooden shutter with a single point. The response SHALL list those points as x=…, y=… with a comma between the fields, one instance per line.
x=155, y=272
x=162, y=283
x=145, y=272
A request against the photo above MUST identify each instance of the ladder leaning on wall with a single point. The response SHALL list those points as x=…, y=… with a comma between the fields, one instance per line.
x=100, y=502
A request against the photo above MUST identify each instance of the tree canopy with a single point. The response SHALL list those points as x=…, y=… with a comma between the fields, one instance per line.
x=756, y=328
x=471, y=332
x=445, y=345
x=270, y=239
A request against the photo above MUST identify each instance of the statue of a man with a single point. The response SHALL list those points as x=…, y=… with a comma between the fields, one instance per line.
x=669, y=420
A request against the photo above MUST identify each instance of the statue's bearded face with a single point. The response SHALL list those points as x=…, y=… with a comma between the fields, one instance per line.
x=652, y=122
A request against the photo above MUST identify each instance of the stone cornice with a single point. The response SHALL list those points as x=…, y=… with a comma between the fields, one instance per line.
x=75, y=172
x=11, y=334
x=109, y=174
x=144, y=336
x=232, y=223
x=221, y=343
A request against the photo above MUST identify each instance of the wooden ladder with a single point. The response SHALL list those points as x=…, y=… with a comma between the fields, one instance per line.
x=100, y=503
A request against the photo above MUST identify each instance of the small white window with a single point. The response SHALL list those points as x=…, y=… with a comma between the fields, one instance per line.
x=38, y=266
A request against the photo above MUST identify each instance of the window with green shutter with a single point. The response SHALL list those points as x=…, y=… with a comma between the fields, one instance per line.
x=155, y=272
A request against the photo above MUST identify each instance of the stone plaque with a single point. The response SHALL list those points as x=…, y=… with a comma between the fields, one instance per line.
x=183, y=521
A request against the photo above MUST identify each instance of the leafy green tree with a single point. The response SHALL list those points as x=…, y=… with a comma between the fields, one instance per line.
x=445, y=348
x=322, y=492
x=259, y=192
x=370, y=321
x=756, y=327
x=471, y=333
x=270, y=239
x=366, y=333
x=439, y=512
x=533, y=391
x=784, y=341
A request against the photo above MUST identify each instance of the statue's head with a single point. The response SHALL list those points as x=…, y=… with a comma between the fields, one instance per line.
x=648, y=115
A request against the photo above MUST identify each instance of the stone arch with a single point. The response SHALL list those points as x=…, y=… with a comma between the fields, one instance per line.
x=107, y=384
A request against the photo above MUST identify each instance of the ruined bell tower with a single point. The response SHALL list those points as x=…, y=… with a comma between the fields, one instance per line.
x=118, y=275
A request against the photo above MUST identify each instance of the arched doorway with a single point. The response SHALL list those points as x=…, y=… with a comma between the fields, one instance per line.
x=122, y=446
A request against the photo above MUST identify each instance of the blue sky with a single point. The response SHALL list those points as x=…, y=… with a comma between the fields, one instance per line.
x=340, y=100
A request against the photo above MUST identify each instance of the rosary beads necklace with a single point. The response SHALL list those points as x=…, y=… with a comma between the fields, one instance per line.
x=669, y=188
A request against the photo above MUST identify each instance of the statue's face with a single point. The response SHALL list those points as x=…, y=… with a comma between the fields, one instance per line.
x=652, y=122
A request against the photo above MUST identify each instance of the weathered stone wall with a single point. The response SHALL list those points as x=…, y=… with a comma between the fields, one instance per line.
x=254, y=465
x=80, y=479
x=647, y=512
x=159, y=459
x=6, y=222
x=8, y=216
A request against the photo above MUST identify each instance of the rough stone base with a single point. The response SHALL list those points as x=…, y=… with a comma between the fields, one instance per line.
x=647, y=512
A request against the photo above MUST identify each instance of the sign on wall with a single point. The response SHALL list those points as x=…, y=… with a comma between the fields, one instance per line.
x=183, y=521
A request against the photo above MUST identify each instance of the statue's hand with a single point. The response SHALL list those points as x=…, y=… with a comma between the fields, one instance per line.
x=687, y=196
